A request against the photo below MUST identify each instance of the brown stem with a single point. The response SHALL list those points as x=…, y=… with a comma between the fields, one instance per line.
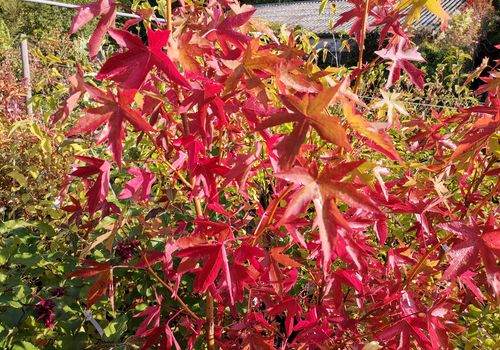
x=170, y=289
x=263, y=225
x=419, y=265
x=209, y=306
x=169, y=15
x=170, y=166
x=361, y=43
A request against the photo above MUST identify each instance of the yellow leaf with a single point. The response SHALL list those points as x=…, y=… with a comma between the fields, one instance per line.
x=415, y=8
x=35, y=130
x=369, y=130
x=20, y=178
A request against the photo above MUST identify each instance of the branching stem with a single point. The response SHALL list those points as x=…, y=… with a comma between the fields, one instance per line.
x=361, y=44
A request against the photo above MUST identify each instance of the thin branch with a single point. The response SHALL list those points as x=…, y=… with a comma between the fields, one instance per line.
x=170, y=289
x=362, y=45
x=169, y=15
x=170, y=166
x=419, y=265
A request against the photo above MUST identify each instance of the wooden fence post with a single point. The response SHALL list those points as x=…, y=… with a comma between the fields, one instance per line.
x=26, y=72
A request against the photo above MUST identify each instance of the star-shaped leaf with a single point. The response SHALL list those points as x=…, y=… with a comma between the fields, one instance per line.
x=104, y=8
x=401, y=56
x=391, y=104
x=475, y=242
x=132, y=66
x=308, y=110
x=322, y=190
x=97, y=194
x=115, y=110
x=379, y=139
x=140, y=186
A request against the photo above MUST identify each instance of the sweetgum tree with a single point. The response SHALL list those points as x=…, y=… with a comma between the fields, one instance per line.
x=247, y=199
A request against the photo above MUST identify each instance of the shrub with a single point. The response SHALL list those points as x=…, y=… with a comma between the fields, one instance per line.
x=226, y=192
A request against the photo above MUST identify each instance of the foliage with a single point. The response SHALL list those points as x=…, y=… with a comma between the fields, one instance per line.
x=35, y=20
x=247, y=199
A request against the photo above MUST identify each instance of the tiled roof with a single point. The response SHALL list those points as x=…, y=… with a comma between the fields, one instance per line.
x=306, y=14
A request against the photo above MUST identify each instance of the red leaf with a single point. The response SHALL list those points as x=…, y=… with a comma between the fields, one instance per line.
x=140, y=186
x=102, y=285
x=114, y=112
x=104, y=8
x=226, y=32
x=132, y=66
x=215, y=257
x=401, y=57
x=309, y=110
x=481, y=131
x=97, y=194
x=474, y=244
x=322, y=191
x=78, y=87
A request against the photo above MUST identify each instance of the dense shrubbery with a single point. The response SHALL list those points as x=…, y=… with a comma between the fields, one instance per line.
x=253, y=199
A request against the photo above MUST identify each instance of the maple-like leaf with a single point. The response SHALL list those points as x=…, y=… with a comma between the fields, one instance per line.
x=308, y=110
x=415, y=7
x=102, y=286
x=205, y=95
x=240, y=167
x=187, y=48
x=97, y=194
x=409, y=326
x=480, y=132
x=104, y=8
x=381, y=140
x=225, y=32
x=215, y=257
x=76, y=209
x=391, y=104
x=140, y=186
x=440, y=320
x=115, y=110
x=322, y=190
x=206, y=171
x=132, y=66
x=357, y=15
x=292, y=308
x=475, y=242
x=76, y=91
x=390, y=21
x=401, y=57
x=255, y=60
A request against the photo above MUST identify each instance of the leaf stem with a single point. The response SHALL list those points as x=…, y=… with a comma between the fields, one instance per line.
x=362, y=46
x=169, y=165
x=419, y=265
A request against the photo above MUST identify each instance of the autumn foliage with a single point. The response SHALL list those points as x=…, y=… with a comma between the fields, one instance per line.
x=276, y=208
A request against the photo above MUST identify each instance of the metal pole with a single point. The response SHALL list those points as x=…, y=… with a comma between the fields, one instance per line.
x=26, y=72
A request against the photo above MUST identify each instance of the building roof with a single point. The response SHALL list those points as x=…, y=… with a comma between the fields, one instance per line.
x=305, y=14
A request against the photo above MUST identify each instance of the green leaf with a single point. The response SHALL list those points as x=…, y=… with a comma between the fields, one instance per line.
x=24, y=345
x=115, y=329
x=46, y=228
x=12, y=317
